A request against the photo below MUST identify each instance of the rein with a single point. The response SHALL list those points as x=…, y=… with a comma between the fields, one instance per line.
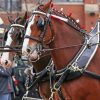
x=88, y=45
x=15, y=50
x=10, y=48
x=62, y=47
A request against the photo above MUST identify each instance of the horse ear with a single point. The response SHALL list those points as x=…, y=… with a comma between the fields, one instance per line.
x=47, y=5
x=24, y=18
x=10, y=19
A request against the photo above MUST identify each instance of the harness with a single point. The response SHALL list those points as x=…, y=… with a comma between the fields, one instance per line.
x=79, y=64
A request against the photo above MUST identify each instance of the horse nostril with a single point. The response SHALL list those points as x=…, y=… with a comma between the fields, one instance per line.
x=6, y=62
x=28, y=50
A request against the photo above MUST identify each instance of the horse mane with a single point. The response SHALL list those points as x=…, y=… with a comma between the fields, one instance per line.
x=71, y=20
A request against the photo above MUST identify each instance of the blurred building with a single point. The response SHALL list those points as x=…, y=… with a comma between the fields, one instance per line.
x=2, y=29
x=86, y=11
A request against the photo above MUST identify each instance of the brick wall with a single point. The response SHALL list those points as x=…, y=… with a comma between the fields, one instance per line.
x=91, y=13
x=78, y=10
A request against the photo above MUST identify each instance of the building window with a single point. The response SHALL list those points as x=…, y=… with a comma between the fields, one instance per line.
x=68, y=0
x=65, y=0
x=10, y=5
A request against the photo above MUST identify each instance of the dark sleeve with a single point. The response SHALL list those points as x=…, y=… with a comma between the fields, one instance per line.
x=5, y=72
x=13, y=71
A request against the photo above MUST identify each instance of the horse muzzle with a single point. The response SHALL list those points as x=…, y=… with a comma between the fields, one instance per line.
x=6, y=63
x=34, y=56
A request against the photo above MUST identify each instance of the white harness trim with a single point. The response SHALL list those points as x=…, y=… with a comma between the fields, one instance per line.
x=47, y=14
x=17, y=25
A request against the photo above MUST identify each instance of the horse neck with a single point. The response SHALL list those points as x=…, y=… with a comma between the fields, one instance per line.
x=65, y=35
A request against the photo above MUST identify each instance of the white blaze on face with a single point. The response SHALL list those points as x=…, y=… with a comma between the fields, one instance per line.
x=5, y=55
x=28, y=32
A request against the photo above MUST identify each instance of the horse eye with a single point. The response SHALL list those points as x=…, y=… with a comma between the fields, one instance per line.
x=40, y=23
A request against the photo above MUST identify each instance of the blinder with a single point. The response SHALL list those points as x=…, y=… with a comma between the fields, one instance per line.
x=40, y=23
x=5, y=36
x=42, y=26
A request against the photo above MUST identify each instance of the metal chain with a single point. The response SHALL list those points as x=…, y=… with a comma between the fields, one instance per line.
x=27, y=81
x=52, y=94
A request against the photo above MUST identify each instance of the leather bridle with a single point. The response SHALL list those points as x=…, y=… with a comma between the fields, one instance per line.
x=40, y=39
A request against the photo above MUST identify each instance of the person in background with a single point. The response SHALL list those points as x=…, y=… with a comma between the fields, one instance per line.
x=6, y=85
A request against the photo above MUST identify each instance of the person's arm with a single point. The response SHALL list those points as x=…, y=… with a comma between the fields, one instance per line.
x=5, y=71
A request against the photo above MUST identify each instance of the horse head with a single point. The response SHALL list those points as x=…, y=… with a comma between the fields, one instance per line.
x=43, y=28
x=37, y=24
x=13, y=38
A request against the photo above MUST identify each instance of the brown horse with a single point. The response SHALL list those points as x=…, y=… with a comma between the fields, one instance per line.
x=13, y=40
x=13, y=37
x=69, y=51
